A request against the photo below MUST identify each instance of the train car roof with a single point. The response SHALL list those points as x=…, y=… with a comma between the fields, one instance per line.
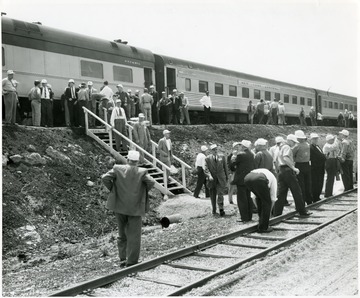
x=39, y=34
x=322, y=92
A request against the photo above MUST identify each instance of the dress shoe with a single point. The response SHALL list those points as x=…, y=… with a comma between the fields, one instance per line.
x=231, y=202
x=306, y=214
x=122, y=263
x=287, y=203
x=268, y=230
x=222, y=213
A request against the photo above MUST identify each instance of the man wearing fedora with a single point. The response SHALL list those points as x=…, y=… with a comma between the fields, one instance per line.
x=128, y=199
x=287, y=178
x=216, y=171
x=301, y=154
x=317, y=159
x=242, y=164
x=200, y=169
x=346, y=158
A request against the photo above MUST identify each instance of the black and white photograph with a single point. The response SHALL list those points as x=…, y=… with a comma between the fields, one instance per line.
x=179, y=148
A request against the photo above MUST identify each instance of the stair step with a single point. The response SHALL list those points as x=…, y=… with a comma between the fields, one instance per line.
x=177, y=187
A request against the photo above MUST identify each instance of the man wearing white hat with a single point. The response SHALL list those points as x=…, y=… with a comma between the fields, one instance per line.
x=155, y=104
x=206, y=102
x=128, y=199
x=46, y=104
x=216, y=171
x=71, y=96
x=9, y=88
x=243, y=163
x=287, y=179
x=118, y=121
x=317, y=159
x=141, y=136
x=331, y=150
x=346, y=158
x=263, y=159
x=200, y=168
x=146, y=102
x=301, y=154
x=165, y=150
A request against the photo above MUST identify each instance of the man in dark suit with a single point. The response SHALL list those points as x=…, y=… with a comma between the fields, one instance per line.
x=317, y=159
x=217, y=173
x=71, y=97
x=155, y=105
x=128, y=185
x=243, y=164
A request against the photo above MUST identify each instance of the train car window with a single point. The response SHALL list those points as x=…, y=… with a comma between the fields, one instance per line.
x=277, y=96
x=187, y=85
x=341, y=106
x=245, y=92
x=346, y=106
x=286, y=98
x=203, y=86
x=267, y=95
x=3, y=56
x=325, y=104
x=257, y=94
x=232, y=90
x=219, y=88
x=122, y=74
x=91, y=69
x=330, y=105
x=302, y=101
x=309, y=102
x=336, y=105
x=294, y=100
x=350, y=107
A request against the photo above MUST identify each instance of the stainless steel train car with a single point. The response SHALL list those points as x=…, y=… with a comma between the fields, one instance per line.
x=35, y=51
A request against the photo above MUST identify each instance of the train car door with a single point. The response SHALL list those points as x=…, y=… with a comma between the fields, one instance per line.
x=147, y=77
x=318, y=104
x=170, y=79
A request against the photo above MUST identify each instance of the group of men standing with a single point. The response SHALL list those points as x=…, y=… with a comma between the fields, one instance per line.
x=269, y=173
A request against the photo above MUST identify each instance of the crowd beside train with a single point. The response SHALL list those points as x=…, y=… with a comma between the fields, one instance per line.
x=173, y=108
x=297, y=163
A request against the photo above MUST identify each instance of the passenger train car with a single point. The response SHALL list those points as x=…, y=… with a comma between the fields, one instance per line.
x=35, y=51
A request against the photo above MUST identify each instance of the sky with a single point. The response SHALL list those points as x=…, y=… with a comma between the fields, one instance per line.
x=306, y=42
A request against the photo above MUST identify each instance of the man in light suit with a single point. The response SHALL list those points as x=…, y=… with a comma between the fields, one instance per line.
x=217, y=173
x=128, y=185
x=165, y=150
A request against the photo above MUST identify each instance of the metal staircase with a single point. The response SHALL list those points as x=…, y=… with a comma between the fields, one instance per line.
x=156, y=169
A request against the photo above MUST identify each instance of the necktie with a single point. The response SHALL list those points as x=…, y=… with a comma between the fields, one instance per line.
x=89, y=93
x=72, y=92
x=215, y=158
x=45, y=96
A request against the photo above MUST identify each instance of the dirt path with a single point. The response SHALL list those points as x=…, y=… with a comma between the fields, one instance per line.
x=323, y=264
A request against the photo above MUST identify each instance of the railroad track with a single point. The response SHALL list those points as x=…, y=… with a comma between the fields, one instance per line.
x=177, y=273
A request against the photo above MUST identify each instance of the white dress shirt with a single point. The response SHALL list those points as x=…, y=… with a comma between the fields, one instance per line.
x=117, y=113
x=107, y=92
x=200, y=160
x=206, y=101
x=272, y=182
x=168, y=144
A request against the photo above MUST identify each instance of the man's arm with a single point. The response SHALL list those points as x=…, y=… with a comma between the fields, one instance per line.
x=149, y=181
x=108, y=179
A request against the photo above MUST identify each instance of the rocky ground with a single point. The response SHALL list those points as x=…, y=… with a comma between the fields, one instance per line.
x=56, y=229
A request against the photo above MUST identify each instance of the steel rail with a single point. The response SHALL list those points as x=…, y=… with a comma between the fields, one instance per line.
x=105, y=280
x=259, y=255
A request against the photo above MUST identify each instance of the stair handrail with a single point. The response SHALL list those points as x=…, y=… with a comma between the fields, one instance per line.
x=111, y=129
x=154, y=146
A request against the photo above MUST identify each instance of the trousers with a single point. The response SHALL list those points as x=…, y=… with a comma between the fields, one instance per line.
x=304, y=179
x=36, y=112
x=331, y=169
x=201, y=180
x=129, y=240
x=10, y=100
x=317, y=182
x=46, y=112
x=287, y=179
x=185, y=116
x=147, y=114
x=220, y=198
x=258, y=184
x=347, y=175
x=207, y=114
x=244, y=203
x=119, y=125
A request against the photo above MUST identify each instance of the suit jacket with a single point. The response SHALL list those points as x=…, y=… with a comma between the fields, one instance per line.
x=68, y=93
x=165, y=154
x=242, y=166
x=317, y=157
x=217, y=170
x=128, y=187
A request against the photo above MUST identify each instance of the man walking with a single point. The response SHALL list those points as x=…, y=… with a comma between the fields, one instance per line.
x=317, y=159
x=141, y=136
x=346, y=158
x=216, y=171
x=118, y=121
x=165, y=150
x=200, y=168
x=287, y=179
x=11, y=100
x=128, y=198
x=243, y=164
x=206, y=102
x=263, y=184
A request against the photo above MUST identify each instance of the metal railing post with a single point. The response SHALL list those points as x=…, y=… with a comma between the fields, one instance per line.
x=105, y=116
x=110, y=139
x=86, y=121
x=183, y=175
x=165, y=179
x=153, y=153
